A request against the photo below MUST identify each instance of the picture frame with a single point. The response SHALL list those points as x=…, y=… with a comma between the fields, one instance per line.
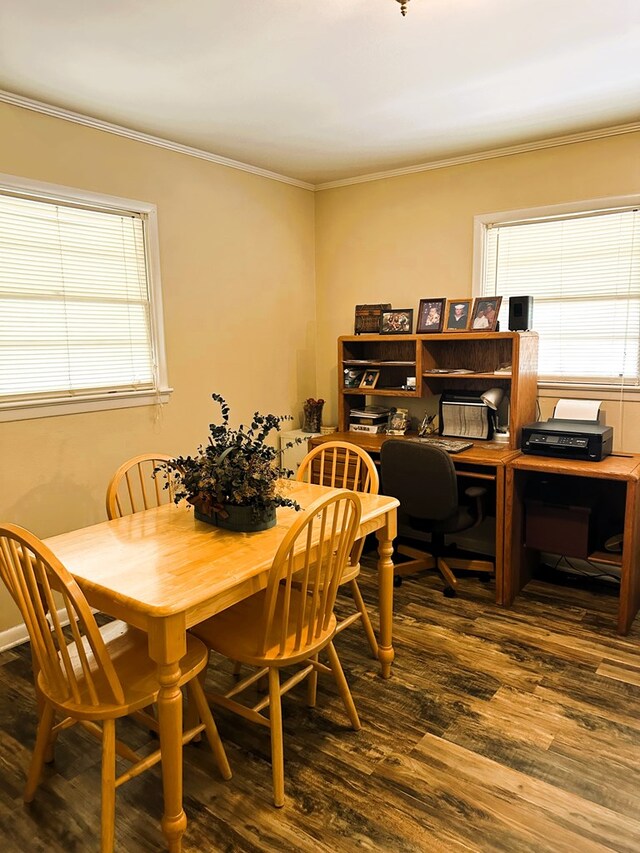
x=458, y=314
x=369, y=379
x=367, y=319
x=430, y=316
x=352, y=377
x=485, y=313
x=398, y=422
x=396, y=321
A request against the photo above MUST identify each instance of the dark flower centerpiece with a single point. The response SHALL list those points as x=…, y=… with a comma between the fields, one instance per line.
x=232, y=481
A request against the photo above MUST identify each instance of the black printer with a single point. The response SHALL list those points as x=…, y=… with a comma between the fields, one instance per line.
x=567, y=439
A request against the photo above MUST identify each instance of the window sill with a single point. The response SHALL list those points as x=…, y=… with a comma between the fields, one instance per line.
x=584, y=391
x=90, y=403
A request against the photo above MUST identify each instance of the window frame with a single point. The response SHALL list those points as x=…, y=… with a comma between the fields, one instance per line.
x=550, y=387
x=105, y=399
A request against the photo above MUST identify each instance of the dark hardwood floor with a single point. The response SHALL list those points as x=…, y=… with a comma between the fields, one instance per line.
x=499, y=730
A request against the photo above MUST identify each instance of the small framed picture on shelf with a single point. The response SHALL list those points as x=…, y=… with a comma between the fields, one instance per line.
x=430, y=316
x=398, y=321
x=369, y=379
x=458, y=315
x=352, y=378
x=485, y=313
x=398, y=422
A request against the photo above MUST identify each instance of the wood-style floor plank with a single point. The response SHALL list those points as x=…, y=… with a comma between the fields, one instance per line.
x=500, y=730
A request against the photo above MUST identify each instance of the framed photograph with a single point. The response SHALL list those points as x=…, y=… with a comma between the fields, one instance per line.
x=352, y=378
x=370, y=379
x=368, y=318
x=485, y=313
x=430, y=316
x=398, y=321
x=458, y=315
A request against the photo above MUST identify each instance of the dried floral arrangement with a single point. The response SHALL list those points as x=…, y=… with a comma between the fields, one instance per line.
x=236, y=467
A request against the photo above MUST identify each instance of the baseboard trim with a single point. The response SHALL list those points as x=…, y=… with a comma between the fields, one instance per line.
x=18, y=634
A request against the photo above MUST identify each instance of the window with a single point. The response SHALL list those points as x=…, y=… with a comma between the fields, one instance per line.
x=583, y=269
x=80, y=312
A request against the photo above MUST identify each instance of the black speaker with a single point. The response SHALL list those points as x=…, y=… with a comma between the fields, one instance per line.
x=520, y=313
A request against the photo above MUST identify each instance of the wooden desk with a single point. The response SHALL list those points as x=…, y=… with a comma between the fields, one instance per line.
x=163, y=572
x=486, y=460
x=624, y=470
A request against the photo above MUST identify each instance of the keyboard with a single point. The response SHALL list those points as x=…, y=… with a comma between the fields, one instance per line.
x=451, y=445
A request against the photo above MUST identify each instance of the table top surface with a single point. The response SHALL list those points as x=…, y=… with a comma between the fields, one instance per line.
x=162, y=561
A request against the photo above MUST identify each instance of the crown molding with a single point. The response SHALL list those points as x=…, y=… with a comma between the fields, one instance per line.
x=491, y=154
x=137, y=136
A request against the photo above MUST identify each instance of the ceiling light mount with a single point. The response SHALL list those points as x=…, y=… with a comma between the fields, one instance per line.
x=403, y=6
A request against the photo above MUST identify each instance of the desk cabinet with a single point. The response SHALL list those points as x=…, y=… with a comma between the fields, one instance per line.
x=615, y=480
x=399, y=357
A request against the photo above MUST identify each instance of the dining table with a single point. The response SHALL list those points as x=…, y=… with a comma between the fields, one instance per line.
x=163, y=571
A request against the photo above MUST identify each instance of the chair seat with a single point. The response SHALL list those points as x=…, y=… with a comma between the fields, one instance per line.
x=235, y=632
x=138, y=675
x=350, y=573
x=462, y=519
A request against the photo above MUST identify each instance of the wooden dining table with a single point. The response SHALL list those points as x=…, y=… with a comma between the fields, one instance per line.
x=163, y=571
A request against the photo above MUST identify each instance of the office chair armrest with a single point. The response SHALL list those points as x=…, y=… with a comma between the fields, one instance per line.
x=477, y=493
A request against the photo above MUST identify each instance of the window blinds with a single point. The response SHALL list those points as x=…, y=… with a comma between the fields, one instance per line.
x=583, y=271
x=74, y=301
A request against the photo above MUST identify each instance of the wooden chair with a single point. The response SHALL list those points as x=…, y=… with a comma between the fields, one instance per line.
x=290, y=621
x=134, y=488
x=90, y=675
x=346, y=466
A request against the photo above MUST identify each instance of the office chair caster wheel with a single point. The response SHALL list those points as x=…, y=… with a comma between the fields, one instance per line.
x=397, y=580
x=449, y=592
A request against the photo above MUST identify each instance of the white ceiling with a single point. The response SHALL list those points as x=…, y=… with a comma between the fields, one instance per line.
x=321, y=90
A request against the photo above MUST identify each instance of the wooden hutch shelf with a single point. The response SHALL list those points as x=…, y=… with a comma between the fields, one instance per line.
x=427, y=357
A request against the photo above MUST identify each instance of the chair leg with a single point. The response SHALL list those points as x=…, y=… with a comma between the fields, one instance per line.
x=108, y=786
x=449, y=578
x=40, y=751
x=312, y=685
x=343, y=687
x=191, y=714
x=277, y=745
x=366, y=622
x=196, y=694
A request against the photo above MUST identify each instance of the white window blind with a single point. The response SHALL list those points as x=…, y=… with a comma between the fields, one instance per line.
x=583, y=271
x=75, y=310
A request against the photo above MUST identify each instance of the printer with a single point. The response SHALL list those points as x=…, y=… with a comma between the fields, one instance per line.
x=574, y=432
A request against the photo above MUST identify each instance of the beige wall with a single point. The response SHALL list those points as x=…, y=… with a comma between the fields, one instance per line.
x=237, y=260
x=402, y=239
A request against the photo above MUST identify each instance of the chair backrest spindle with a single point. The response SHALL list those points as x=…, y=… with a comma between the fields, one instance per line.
x=130, y=489
x=307, y=568
x=75, y=666
x=341, y=465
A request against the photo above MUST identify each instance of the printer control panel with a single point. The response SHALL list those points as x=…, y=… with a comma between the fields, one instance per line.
x=560, y=440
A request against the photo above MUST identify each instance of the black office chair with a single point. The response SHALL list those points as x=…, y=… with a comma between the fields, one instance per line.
x=424, y=480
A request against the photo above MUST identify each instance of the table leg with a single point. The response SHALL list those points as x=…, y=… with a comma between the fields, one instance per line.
x=167, y=644
x=385, y=536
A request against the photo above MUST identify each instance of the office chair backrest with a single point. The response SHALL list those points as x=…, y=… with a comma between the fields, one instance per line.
x=421, y=476
x=306, y=572
x=134, y=487
x=74, y=664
